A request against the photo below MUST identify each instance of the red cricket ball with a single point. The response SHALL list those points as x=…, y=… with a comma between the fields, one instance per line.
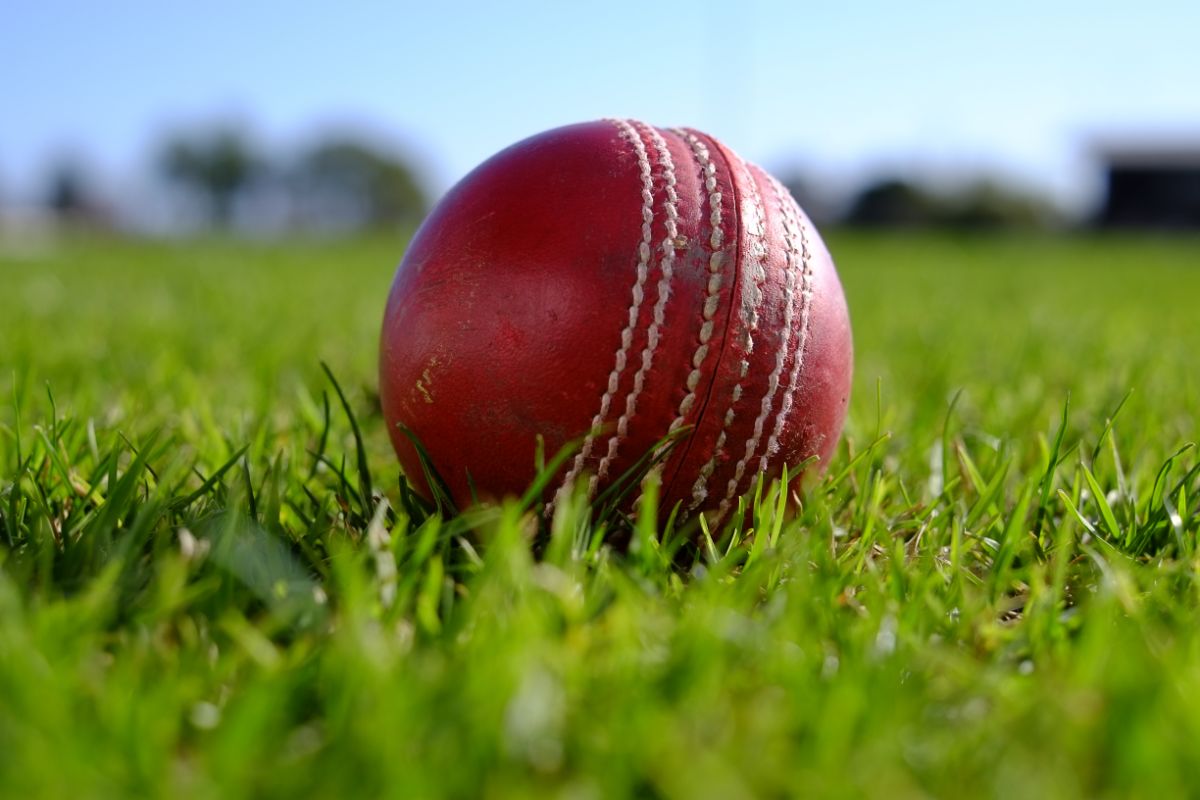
x=616, y=281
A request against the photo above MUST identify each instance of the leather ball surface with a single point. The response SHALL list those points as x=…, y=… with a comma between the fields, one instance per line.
x=616, y=281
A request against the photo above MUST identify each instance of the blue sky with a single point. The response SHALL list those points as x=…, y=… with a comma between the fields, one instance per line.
x=843, y=90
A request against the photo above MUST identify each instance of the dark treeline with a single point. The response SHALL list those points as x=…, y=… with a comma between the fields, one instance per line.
x=341, y=183
x=218, y=177
x=901, y=203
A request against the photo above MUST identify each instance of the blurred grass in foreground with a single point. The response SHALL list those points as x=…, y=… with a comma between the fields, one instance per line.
x=199, y=596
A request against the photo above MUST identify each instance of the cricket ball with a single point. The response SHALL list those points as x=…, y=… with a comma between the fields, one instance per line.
x=610, y=283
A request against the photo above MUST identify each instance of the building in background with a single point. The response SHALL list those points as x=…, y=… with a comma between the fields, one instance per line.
x=1149, y=186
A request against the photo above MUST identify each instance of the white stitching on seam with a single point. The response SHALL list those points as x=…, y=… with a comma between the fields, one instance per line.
x=752, y=296
x=715, y=262
x=628, y=133
x=772, y=383
x=653, y=334
x=713, y=288
x=712, y=300
x=794, y=226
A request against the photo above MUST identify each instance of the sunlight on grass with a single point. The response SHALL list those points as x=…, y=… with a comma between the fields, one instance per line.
x=214, y=581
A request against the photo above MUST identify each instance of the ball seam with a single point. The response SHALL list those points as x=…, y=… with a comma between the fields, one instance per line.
x=752, y=297
x=794, y=225
x=767, y=404
x=715, y=273
x=627, y=132
x=658, y=320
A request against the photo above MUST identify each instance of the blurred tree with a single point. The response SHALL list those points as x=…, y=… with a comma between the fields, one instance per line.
x=891, y=203
x=986, y=204
x=343, y=184
x=69, y=196
x=981, y=204
x=217, y=166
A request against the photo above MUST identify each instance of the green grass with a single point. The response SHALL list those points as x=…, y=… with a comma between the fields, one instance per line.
x=994, y=592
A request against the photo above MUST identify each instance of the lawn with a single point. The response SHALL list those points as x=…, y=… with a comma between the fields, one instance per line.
x=212, y=583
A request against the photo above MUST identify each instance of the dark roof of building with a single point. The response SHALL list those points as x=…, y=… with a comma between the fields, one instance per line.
x=1150, y=152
